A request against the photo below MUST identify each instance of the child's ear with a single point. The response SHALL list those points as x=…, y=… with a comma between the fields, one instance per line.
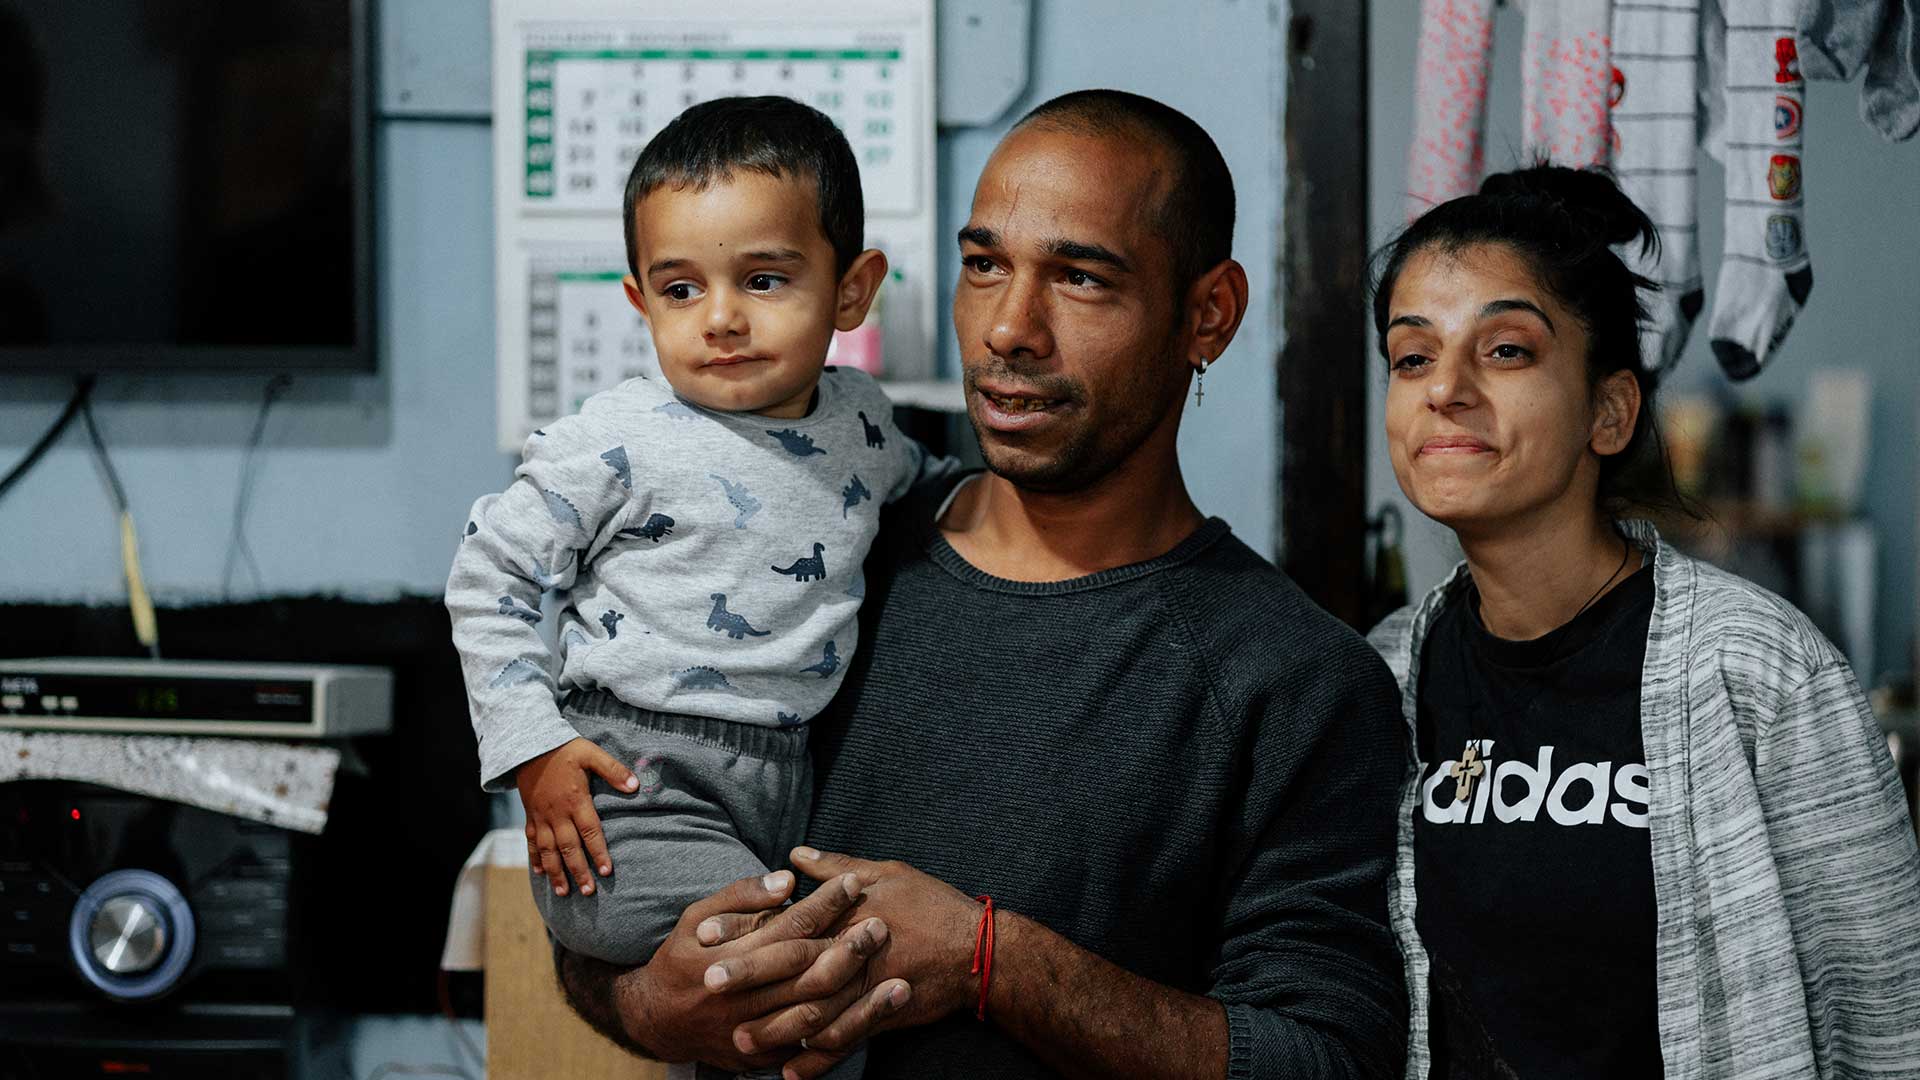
x=858, y=286
x=634, y=296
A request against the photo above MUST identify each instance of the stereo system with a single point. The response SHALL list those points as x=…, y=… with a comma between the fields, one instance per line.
x=195, y=697
x=126, y=897
x=141, y=936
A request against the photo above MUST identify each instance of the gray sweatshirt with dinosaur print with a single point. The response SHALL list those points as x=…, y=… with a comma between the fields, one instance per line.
x=710, y=562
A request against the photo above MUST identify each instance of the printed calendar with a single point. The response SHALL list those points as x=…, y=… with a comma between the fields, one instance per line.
x=581, y=85
x=590, y=110
x=582, y=335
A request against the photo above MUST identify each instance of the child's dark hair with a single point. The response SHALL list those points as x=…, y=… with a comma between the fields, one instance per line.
x=1565, y=223
x=777, y=136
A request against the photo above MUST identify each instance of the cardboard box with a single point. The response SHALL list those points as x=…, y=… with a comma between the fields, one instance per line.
x=532, y=1034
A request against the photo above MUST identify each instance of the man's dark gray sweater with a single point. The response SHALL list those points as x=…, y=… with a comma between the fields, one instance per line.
x=1182, y=765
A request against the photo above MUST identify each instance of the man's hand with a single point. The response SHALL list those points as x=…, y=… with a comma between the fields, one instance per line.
x=737, y=957
x=560, y=817
x=930, y=945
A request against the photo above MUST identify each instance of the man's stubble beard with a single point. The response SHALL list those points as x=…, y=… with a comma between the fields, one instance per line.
x=1084, y=460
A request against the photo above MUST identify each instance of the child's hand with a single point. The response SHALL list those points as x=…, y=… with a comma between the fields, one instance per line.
x=560, y=816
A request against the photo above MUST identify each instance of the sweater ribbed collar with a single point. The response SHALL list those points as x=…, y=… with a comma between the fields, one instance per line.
x=1210, y=532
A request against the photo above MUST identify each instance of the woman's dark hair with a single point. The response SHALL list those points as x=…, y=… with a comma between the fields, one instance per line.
x=1565, y=223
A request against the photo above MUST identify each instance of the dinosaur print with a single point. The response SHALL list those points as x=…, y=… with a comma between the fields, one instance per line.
x=722, y=621
x=875, y=439
x=472, y=528
x=649, y=769
x=524, y=614
x=562, y=510
x=516, y=673
x=742, y=501
x=701, y=678
x=795, y=443
x=854, y=494
x=813, y=568
x=611, y=620
x=675, y=410
x=787, y=719
x=828, y=664
x=616, y=460
x=657, y=526
x=540, y=432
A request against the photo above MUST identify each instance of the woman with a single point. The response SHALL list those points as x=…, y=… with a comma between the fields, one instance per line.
x=1649, y=825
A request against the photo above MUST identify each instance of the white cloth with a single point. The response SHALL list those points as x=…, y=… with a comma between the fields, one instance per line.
x=281, y=784
x=466, y=946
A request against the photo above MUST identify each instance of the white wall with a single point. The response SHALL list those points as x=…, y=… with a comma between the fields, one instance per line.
x=1863, y=228
x=367, y=479
x=1220, y=62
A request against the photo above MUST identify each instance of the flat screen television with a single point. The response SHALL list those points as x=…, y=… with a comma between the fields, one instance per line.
x=185, y=185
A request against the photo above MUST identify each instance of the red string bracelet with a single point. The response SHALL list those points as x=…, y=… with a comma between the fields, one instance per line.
x=983, y=954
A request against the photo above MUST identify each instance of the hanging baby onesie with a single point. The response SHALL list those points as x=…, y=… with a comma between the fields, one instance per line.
x=1840, y=38
x=1890, y=96
x=1655, y=126
x=1565, y=78
x=1446, y=157
x=1566, y=82
x=1765, y=271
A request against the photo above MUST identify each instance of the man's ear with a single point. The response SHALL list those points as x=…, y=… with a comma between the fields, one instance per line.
x=1616, y=410
x=858, y=286
x=1216, y=302
x=634, y=295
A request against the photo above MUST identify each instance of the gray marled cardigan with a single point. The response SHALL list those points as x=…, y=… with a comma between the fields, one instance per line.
x=1785, y=874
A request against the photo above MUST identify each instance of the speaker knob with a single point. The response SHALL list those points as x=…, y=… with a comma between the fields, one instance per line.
x=132, y=934
x=128, y=935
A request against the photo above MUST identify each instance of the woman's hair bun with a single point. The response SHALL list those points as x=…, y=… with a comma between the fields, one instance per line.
x=1589, y=198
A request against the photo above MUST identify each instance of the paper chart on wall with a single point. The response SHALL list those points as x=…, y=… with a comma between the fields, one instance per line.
x=581, y=85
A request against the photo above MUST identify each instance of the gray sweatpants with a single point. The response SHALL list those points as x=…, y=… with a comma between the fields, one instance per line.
x=718, y=801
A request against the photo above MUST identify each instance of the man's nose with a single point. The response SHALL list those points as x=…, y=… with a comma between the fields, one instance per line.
x=1020, y=324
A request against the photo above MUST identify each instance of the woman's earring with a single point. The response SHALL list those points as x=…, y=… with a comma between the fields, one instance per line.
x=1200, y=384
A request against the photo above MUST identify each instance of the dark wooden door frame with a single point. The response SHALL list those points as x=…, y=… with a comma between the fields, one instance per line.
x=1320, y=519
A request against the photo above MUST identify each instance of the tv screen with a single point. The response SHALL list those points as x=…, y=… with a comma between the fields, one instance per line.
x=184, y=184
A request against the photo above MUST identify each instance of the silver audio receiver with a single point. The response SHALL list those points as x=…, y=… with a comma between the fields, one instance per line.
x=195, y=697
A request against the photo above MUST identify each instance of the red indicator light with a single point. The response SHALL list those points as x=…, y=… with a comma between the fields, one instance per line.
x=74, y=813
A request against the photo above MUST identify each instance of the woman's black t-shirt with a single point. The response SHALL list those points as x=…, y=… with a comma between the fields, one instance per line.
x=1534, y=897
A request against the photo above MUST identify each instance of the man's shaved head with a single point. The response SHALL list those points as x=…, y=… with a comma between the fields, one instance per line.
x=1195, y=211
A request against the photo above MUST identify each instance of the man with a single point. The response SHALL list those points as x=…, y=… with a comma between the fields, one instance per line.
x=1172, y=773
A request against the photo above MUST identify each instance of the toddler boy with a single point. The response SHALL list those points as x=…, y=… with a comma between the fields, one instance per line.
x=707, y=531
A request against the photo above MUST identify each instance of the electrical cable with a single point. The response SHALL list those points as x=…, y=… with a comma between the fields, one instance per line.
x=145, y=627
x=238, y=548
x=118, y=490
x=82, y=390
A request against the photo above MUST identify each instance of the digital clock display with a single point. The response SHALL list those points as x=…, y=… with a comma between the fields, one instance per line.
x=157, y=700
x=273, y=701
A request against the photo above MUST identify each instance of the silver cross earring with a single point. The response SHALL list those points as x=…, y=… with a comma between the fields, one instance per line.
x=1200, y=383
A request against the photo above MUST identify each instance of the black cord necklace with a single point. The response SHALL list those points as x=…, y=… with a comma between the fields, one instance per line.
x=1470, y=767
